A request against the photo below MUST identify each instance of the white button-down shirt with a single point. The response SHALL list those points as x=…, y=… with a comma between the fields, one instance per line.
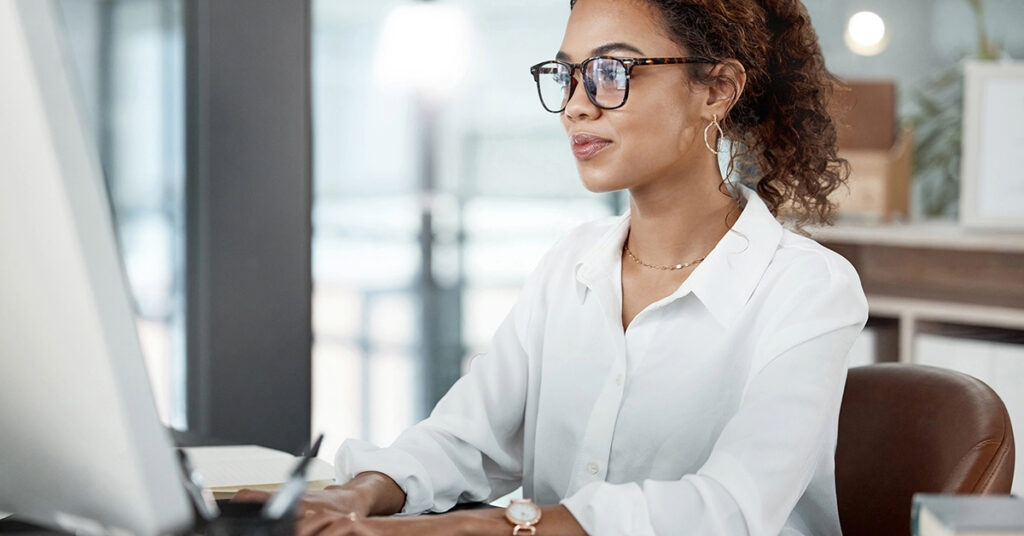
x=715, y=412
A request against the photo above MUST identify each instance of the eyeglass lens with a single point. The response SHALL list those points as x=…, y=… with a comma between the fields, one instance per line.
x=604, y=80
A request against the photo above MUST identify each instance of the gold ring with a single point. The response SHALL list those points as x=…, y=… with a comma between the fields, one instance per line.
x=352, y=516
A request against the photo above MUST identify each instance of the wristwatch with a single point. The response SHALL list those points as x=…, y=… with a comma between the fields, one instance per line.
x=524, y=515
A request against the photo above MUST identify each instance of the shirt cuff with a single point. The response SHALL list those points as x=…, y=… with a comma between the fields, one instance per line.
x=357, y=456
x=610, y=509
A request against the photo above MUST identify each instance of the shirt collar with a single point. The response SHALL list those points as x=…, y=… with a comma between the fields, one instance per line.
x=726, y=278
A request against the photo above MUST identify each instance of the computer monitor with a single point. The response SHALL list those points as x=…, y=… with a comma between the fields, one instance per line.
x=81, y=445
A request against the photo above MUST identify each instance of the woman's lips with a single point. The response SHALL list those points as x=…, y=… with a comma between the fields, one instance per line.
x=585, y=146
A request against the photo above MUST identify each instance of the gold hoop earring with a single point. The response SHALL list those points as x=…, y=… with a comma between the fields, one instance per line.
x=713, y=123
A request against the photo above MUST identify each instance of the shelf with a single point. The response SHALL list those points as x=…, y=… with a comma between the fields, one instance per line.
x=947, y=312
x=922, y=235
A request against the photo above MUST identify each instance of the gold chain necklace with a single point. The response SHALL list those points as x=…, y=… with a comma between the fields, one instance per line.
x=625, y=247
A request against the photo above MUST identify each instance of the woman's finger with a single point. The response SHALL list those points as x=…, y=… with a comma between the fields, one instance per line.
x=250, y=495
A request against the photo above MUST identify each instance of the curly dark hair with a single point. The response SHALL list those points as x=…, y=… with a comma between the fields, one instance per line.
x=781, y=126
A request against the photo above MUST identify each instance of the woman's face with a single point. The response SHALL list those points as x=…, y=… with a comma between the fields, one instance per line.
x=658, y=133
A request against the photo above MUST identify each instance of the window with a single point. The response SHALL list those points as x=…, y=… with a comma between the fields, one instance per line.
x=388, y=338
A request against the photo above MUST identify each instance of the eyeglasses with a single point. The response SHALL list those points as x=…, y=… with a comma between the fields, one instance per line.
x=605, y=79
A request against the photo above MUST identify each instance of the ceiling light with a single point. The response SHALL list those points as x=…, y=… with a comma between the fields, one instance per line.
x=424, y=47
x=866, y=34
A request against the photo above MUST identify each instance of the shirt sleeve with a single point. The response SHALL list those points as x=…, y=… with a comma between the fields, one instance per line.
x=470, y=448
x=768, y=452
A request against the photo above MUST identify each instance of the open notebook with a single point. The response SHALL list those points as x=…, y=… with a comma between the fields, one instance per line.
x=227, y=469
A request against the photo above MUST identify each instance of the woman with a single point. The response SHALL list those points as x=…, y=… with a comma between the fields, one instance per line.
x=677, y=370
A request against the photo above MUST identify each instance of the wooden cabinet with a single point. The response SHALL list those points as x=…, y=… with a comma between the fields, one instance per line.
x=934, y=278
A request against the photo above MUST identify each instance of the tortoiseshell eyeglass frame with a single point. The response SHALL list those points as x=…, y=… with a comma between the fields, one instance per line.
x=628, y=63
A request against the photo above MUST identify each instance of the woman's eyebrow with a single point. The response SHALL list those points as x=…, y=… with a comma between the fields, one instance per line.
x=603, y=50
x=606, y=48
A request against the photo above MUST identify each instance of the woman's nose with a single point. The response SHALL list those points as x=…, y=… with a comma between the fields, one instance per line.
x=579, y=105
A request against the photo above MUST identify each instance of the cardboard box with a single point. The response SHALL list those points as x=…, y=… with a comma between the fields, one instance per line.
x=865, y=114
x=879, y=184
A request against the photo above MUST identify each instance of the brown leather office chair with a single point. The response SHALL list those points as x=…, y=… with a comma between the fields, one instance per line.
x=905, y=429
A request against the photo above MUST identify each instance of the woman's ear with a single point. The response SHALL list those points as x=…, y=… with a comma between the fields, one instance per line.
x=726, y=82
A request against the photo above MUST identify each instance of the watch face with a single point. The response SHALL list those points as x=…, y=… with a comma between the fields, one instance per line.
x=523, y=512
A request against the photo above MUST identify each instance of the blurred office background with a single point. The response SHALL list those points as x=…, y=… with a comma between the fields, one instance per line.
x=429, y=208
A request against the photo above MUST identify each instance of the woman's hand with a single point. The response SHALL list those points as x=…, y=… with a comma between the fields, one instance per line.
x=557, y=520
x=332, y=499
x=347, y=510
x=335, y=524
x=367, y=494
x=337, y=511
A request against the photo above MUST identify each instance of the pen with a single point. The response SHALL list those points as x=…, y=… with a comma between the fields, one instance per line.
x=204, y=504
x=285, y=499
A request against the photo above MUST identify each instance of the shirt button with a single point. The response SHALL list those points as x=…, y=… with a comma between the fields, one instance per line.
x=618, y=379
x=593, y=468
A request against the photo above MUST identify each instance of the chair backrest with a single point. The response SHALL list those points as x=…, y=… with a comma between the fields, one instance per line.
x=905, y=429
